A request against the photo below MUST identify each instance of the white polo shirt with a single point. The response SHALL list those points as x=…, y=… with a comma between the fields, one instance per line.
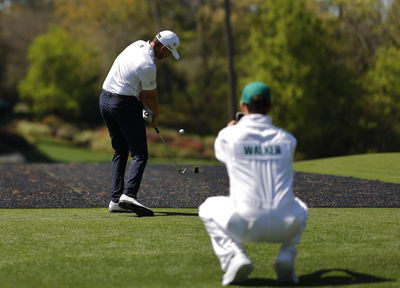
x=132, y=71
x=258, y=157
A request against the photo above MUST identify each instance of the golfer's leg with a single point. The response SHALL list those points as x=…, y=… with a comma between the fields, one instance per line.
x=139, y=153
x=121, y=149
x=119, y=161
x=134, y=134
x=215, y=213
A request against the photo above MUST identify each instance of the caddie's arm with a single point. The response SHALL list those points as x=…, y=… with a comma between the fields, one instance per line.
x=149, y=99
x=220, y=147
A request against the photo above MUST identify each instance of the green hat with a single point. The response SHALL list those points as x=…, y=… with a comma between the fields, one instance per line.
x=254, y=89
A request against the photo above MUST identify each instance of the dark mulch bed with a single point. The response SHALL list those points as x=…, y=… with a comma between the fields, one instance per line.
x=88, y=185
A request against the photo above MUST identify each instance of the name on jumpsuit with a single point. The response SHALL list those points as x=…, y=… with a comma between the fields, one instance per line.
x=262, y=150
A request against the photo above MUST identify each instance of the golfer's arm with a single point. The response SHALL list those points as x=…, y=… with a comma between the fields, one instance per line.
x=149, y=99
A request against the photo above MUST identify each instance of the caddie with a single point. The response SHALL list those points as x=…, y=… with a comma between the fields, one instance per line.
x=261, y=206
x=129, y=99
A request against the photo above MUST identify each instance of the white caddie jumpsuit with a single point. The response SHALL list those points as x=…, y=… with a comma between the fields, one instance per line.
x=261, y=205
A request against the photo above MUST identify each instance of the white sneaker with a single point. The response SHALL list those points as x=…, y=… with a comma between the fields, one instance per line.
x=114, y=208
x=239, y=269
x=130, y=203
x=284, y=266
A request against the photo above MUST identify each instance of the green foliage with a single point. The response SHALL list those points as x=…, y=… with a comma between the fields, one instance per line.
x=188, y=87
x=326, y=61
x=382, y=100
x=289, y=51
x=30, y=130
x=4, y=105
x=315, y=79
x=62, y=77
x=60, y=141
x=277, y=57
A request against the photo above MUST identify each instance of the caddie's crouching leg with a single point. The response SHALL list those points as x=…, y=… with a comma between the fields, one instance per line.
x=215, y=213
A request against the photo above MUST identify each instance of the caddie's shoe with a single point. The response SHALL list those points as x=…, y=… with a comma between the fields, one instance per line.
x=284, y=266
x=114, y=208
x=239, y=269
x=130, y=203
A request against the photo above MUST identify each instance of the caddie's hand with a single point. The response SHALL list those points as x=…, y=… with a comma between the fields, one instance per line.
x=232, y=122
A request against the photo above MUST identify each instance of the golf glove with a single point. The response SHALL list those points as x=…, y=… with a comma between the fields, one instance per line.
x=147, y=115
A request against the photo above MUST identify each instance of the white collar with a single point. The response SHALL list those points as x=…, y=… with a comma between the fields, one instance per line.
x=259, y=118
x=151, y=51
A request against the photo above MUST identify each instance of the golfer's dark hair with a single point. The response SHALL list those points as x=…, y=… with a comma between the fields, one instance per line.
x=156, y=42
x=259, y=104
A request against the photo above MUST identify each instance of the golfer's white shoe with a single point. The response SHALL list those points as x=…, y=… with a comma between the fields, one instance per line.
x=130, y=203
x=239, y=269
x=114, y=208
x=284, y=266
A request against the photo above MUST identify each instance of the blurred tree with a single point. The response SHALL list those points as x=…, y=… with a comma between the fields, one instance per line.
x=392, y=24
x=188, y=87
x=314, y=95
x=360, y=35
x=113, y=25
x=62, y=77
x=318, y=56
x=230, y=59
x=381, y=119
x=4, y=104
x=20, y=23
x=109, y=25
x=2, y=72
x=200, y=103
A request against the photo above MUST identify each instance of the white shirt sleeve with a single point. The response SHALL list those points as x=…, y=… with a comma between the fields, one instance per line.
x=220, y=147
x=147, y=78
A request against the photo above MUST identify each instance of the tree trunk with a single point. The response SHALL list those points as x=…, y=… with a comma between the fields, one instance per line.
x=230, y=54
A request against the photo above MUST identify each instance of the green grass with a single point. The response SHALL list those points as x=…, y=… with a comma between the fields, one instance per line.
x=382, y=166
x=58, y=151
x=51, y=150
x=93, y=248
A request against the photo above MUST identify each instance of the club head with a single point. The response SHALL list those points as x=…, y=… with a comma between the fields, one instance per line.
x=182, y=171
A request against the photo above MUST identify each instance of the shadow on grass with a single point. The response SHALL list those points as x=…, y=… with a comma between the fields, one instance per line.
x=11, y=143
x=319, y=278
x=168, y=213
x=33, y=155
x=159, y=214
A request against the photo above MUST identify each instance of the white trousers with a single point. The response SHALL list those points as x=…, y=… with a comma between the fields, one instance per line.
x=228, y=229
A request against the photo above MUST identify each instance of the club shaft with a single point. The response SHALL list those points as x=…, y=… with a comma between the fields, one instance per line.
x=169, y=151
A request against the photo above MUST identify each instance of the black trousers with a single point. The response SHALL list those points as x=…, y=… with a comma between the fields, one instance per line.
x=124, y=120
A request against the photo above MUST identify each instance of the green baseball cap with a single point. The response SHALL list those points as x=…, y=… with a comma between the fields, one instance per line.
x=254, y=89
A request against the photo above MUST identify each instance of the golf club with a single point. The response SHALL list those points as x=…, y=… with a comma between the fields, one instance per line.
x=180, y=171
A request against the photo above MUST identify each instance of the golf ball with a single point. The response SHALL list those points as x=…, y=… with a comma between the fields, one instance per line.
x=181, y=131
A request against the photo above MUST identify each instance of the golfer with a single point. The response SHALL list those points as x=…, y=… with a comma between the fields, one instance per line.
x=261, y=206
x=128, y=100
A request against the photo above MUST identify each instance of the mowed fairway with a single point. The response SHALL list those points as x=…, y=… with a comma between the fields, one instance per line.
x=93, y=248
x=379, y=166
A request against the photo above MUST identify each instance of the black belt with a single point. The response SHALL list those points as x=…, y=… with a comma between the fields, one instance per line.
x=115, y=95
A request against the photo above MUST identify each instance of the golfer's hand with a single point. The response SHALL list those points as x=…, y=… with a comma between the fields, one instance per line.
x=148, y=115
x=154, y=123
